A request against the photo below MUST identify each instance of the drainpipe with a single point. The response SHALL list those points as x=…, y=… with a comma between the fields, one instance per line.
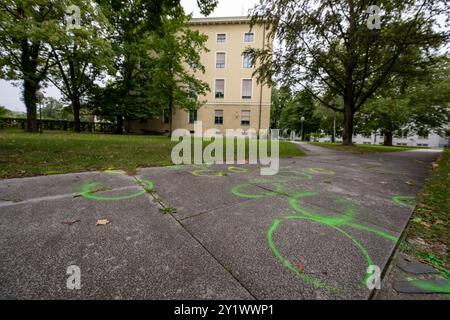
x=261, y=90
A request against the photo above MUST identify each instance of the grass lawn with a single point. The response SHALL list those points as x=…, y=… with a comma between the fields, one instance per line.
x=363, y=148
x=428, y=233
x=24, y=154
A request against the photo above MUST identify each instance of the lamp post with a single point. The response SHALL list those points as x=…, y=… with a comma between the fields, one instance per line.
x=302, y=119
x=40, y=98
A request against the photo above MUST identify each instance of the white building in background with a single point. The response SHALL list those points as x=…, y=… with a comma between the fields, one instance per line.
x=432, y=140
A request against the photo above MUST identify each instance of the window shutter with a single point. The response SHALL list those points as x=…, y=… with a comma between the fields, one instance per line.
x=245, y=117
x=220, y=60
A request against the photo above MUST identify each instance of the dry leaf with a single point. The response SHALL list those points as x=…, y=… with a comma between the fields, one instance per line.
x=301, y=267
x=439, y=221
x=426, y=224
x=409, y=183
x=102, y=222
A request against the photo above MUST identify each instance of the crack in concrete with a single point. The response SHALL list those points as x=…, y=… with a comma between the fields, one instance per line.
x=163, y=205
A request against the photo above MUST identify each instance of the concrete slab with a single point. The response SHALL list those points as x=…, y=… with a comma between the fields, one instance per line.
x=334, y=266
x=140, y=254
x=416, y=267
x=19, y=190
x=195, y=190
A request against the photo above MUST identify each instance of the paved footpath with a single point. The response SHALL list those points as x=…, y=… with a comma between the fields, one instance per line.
x=309, y=232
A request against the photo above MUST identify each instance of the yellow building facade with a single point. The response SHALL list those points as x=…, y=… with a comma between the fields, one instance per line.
x=236, y=100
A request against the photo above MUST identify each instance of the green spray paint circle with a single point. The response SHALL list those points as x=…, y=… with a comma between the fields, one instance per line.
x=345, y=219
x=347, y=216
x=239, y=190
x=403, y=201
x=294, y=175
x=87, y=192
x=201, y=173
x=238, y=169
x=310, y=279
x=320, y=171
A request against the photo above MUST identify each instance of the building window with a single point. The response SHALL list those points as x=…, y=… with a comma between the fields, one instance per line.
x=220, y=60
x=245, y=117
x=247, y=89
x=249, y=37
x=221, y=37
x=220, y=89
x=218, y=117
x=248, y=60
x=192, y=116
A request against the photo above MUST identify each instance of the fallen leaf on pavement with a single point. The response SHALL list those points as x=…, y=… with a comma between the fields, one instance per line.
x=409, y=183
x=301, y=267
x=102, y=222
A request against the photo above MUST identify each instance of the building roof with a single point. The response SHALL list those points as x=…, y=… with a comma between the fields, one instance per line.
x=220, y=20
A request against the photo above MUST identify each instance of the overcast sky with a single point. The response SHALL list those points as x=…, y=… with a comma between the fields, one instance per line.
x=10, y=96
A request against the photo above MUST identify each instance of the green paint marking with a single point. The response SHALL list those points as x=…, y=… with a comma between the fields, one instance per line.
x=174, y=167
x=239, y=190
x=320, y=171
x=431, y=287
x=294, y=175
x=238, y=169
x=328, y=220
x=114, y=171
x=404, y=201
x=87, y=192
x=286, y=263
x=346, y=219
x=346, y=234
x=376, y=231
x=201, y=173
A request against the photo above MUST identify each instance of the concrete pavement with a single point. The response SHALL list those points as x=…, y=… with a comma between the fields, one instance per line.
x=307, y=233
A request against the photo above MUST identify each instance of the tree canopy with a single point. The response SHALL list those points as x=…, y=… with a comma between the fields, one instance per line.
x=327, y=48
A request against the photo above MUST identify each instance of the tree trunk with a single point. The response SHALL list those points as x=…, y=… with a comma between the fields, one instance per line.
x=29, y=95
x=76, y=105
x=119, y=127
x=347, y=138
x=170, y=115
x=333, y=134
x=387, y=138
